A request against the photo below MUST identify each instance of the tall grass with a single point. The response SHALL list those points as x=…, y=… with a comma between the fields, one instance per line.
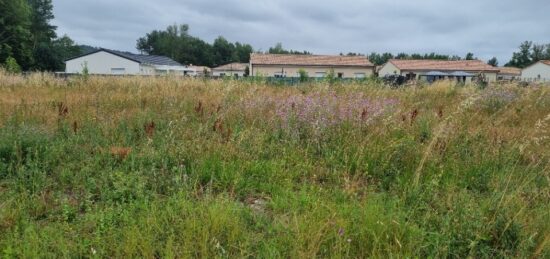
x=172, y=168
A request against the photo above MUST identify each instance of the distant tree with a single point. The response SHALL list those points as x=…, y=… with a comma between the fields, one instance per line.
x=469, y=56
x=547, y=52
x=15, y=34
x=176, y=43
x=402, y=56
x=242, y=52
x=537, y=53
x=522, y=58
x=493, y=62
x=41, y=15
x=246, y=71
x=223, y=51
x=375, y=59
x=278, y=49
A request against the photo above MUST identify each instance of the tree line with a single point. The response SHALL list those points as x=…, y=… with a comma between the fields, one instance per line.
x=28, y=40
x=176, y=42
x=528, y=54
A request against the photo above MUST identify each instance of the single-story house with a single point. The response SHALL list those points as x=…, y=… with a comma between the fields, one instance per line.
x=112, y=62
x=431, y=70
x=509, y=73
x=200, y=71
x=285, y=65
x=539, y=71
x=231, y=69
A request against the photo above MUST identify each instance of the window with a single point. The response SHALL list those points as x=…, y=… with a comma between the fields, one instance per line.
x=340, y=75
x=320, y=74
x=279, y=74
x=118, y=71
x=360, y=75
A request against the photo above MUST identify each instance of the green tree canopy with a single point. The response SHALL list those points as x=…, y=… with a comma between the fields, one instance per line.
x=176, y=42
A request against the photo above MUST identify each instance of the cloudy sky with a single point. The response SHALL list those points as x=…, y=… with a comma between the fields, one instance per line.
x=485, y=27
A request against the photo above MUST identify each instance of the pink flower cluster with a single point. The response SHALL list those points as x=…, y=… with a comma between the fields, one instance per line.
x=323, y=110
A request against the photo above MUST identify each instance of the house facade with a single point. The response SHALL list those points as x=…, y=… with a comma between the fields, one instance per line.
x=282, y=65
x=538, y=72
x=509, y=74
x=111, y=62
x=231, y=69
x=433, y=70
x=200, y=71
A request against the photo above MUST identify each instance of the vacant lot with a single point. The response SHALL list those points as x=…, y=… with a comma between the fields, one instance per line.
x=144, y=167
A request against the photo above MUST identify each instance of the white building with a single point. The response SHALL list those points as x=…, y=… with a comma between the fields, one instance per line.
x=539, y=71
x=432, y=70
x=232, y=69
x=111, y=62
x=200, y=71
x=318, y=66
x=509, y=73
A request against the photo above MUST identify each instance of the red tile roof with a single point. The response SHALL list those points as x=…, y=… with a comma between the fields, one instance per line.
x=309, y=60
x=510, y=71
x=443, y=65
x=232, y=67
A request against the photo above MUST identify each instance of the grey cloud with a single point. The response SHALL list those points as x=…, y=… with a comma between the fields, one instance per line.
x=487, y=28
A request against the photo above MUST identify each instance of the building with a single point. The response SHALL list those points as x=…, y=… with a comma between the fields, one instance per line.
x=283, y=65
x=111, y=62
x=539, y=71
x=432, y=70
x=231, y=69
x=200, y=71
x=509, y=74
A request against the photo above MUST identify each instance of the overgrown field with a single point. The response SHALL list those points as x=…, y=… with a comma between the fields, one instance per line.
x=172, y=168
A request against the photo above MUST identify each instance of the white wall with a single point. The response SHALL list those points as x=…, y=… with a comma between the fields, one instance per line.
x=101, y=63
x=388, y=69
x=227, y=73
x=312, y=71
x=532, y=73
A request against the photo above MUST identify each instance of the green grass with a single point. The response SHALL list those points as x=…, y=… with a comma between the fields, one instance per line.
x=466, y=175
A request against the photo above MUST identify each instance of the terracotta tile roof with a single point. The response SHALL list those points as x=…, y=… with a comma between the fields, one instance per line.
x=443, y=65
x=232, y=67
x=510, y=71
x=200, y=68
x=309, y=60
x=546, y=62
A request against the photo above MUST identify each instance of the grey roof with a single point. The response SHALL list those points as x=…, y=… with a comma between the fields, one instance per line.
x=142, y=59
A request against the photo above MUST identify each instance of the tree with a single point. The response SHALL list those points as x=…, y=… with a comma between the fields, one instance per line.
x=15, y=35
x=176, y=43
x=493, y=62
x=278, y=49
x=223, y=51
x=12, y=66
x=547, y=52
x=41, y=15
x=537, y=53
x=469, y=56
x=522, y=58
